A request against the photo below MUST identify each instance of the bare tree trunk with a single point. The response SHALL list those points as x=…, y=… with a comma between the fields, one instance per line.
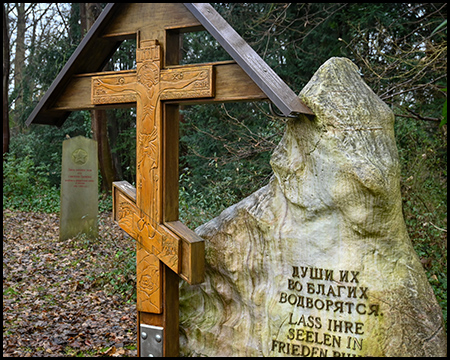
x=100, y=134
x=83, y=23
x=99, y=117
x=6, y=65
x=113, y=135
x=19, y=60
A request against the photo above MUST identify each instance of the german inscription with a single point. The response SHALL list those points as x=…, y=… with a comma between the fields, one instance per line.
x=329, y=308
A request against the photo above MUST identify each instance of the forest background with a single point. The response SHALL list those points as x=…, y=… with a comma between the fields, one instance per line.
x=400, y=49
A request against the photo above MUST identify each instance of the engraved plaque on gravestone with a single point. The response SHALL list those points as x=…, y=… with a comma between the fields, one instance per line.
x=79, y=188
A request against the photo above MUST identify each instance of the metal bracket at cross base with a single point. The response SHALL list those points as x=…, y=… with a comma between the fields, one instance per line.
x=151, y=341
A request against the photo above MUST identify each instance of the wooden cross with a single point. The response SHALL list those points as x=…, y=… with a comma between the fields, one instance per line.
x=166, y=248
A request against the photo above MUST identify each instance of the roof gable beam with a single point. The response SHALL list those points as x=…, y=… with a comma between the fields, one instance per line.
x=261, y=73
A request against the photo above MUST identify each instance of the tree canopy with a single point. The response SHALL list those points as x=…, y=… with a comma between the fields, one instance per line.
x=400, y=48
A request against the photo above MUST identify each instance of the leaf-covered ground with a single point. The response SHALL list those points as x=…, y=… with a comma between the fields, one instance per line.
x=69, y=298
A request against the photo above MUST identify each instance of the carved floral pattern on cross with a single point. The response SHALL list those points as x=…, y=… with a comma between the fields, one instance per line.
x=147, y=86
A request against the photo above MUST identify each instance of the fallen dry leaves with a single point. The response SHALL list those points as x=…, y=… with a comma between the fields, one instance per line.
x=66, y=298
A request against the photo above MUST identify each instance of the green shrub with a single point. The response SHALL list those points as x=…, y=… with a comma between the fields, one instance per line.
x=26, y=186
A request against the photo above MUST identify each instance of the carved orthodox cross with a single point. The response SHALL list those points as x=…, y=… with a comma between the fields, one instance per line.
x=149, y=213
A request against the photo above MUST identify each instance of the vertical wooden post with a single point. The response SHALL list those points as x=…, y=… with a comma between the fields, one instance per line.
x=168, y=319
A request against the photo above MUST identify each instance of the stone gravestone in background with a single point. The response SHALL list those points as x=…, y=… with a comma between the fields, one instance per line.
x=79, y=188
x=318, y=262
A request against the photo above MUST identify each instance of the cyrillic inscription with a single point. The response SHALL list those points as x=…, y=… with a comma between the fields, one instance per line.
x=329, y=308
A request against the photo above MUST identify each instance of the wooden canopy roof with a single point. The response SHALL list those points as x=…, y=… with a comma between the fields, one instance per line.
x=120, y=21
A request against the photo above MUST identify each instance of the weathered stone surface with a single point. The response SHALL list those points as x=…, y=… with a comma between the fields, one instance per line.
x=79, y=188
x=318, y=262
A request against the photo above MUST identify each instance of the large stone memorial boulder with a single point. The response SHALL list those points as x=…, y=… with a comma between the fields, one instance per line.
x=318, y=262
